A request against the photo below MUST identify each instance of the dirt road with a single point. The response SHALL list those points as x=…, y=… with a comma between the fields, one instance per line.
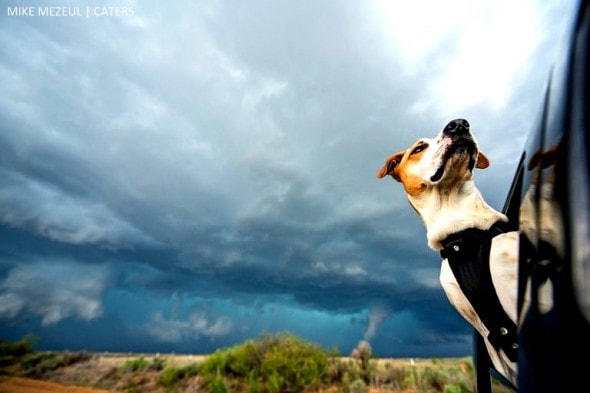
x=25, y=385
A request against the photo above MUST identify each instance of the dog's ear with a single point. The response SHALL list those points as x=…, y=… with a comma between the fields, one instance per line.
x=482, y=161
x=389, y=167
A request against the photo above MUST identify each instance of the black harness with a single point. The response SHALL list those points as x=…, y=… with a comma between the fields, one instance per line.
x=468, y=253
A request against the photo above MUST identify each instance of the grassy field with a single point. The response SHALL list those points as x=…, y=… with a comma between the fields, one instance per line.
x=273, y=364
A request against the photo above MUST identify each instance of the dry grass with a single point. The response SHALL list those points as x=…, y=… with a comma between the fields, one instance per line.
x=119, y=359
x=108, y=371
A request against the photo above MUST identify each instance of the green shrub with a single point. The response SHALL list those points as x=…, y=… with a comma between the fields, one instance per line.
x=171, y=375
x=75, y=357
x=158, y=364
x=34, y=359
x=294, y=364
x=216, y=363
x=393, y=376
x=135, y=365
x=11, y=352
x=274, y=363
x=37, y=364
x=217, y=385
x=190, y=370
x=358, y=386
x=244, y=360
x=336, y=370
x=434, y=379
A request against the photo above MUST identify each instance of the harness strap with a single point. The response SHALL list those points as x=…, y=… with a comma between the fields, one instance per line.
x=468, y=255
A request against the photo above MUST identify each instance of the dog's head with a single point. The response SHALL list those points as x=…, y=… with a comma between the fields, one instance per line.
x=443, y=161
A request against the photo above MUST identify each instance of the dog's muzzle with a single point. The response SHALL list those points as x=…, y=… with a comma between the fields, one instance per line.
x=457, y=127
x=458, y=132
x=462, y=143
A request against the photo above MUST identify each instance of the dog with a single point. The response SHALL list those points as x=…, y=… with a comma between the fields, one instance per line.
x=437, y=176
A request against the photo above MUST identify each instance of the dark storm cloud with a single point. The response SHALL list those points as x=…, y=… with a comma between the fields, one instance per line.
x=201, y=171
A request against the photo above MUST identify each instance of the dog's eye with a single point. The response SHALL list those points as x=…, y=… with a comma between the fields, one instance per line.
x=419, y=148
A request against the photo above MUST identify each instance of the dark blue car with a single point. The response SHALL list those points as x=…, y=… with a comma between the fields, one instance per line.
x=549, y=204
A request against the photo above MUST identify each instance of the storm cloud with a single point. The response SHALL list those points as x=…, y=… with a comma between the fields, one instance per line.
x=189, y=174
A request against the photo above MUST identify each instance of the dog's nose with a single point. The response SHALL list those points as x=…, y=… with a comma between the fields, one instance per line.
x=457, y=127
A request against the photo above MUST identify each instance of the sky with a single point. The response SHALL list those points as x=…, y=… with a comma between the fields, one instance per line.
x=182, y=176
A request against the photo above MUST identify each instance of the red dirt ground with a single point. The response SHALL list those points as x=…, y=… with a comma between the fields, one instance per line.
x=26, y=385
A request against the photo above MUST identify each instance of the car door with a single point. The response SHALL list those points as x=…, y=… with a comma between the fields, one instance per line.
x=549, y=200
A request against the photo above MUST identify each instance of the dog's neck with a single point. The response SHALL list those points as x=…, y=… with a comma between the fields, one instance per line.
x=446, y=211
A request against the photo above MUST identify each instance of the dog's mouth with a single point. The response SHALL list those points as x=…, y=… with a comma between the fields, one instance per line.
x=458, y=147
